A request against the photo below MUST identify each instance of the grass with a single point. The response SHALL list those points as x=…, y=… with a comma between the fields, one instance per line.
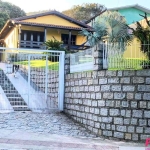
x=125, y=63
x=40, y=64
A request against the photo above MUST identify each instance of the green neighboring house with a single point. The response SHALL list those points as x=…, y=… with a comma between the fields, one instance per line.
x=131, y=12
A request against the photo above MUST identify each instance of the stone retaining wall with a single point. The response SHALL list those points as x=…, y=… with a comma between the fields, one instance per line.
x=113, y=104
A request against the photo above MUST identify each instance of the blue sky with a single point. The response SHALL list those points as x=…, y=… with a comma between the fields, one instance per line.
x=60, y=5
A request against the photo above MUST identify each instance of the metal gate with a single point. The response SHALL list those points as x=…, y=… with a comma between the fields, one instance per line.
x=31, y=80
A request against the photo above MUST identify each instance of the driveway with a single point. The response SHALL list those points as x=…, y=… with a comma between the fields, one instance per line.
x=55, y=131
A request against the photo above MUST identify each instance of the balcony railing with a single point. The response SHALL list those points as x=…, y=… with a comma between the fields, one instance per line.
x=32, y=44
x=39, y=45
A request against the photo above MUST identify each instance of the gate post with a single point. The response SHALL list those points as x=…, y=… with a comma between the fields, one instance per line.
x=28, y=79
x=61, y=81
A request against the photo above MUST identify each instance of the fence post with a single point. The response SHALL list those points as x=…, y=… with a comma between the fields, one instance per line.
x=98, y=57
x=67, y=63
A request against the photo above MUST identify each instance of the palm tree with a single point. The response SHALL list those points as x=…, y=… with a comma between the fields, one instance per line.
x=111, y=25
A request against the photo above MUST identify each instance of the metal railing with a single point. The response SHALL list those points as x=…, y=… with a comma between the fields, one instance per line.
x=129, y=58
x=81, y=61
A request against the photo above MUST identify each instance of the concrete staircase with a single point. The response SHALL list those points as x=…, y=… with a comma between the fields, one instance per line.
x=12, y=94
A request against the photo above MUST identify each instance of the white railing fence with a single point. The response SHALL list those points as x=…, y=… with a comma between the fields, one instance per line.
x=81, y=61
x=129, y=58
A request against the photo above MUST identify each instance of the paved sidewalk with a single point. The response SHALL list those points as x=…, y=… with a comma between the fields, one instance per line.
x=35, y=131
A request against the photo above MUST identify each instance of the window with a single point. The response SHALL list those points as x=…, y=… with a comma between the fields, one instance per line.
x=32, y=36
x=65, y=39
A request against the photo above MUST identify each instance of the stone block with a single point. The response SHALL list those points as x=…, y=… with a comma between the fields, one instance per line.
x=142, y=122
x=103, y=81
x=116, y=88
x=146, y=114
x=119, y=135
x=94, y=103
x=118, y=120
x=133, y=104
x=105, y=88
x=124, y=103
x=144, y=88
x=133, y=121
x=126, y=121
x=111, y=73
x=98, y=96
x=108, y=126
x=135, y=137
x=120, y=73
x=119, y=96
x=128, y=88
x=146, y=96
x=138, y=96
x=144, y=137
x=107, y=95
x=130, y=96
x=143, y=104
x=127, y=136
x=84, y=82
x=143, y=72
x=103, y=111
x=114, y=112
x=97, y=125
x=103, y=126
x=107, y=133
x=137, y=113
x=91, y=88
x=113, y=80
x=95, y=81
x=129, y=73
x=139, y=129
x=97, y=111
x=97, y=88
x=138, y=80
x=101, y=103
x=110, y=103
x=92, y=96
x=125, y=80
x=101, y=73
x=118, y=104
x=131, y=129
x=121, y=128
x=147, y=80
x=106, y=119
x=147, y=130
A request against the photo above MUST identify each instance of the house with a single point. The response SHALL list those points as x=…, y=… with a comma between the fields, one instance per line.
x=131, y=12
x=32, y=31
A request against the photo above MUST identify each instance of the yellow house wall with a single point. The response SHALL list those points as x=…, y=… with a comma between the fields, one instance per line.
x=52, y=19
x=57, y=34
x=133, y=50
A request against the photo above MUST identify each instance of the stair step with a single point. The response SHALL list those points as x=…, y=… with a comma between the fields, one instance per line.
x=12, y=95
x=16, y=99
x=16, y=103
x=10, y=91
x=20, y=108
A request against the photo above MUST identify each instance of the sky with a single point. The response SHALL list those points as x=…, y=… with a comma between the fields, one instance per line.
x=60, y=5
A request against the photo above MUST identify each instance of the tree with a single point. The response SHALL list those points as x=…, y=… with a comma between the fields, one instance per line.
x=8, y=11
x=3, y=18
x=143, y=35
x=85, y=11
x=111, y=26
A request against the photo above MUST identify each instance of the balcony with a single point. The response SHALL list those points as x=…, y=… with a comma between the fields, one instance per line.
x=31, y=44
